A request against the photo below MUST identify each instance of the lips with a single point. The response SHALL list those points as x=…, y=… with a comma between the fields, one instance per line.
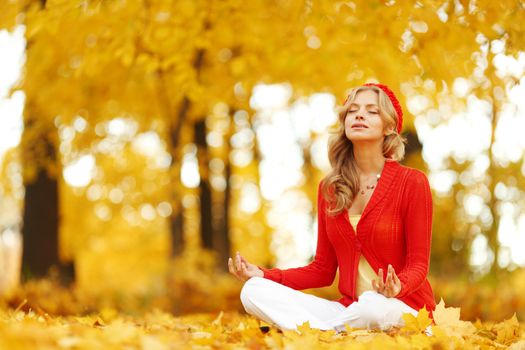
x=359, y=126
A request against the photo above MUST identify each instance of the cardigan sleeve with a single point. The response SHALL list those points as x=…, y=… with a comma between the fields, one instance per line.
x=321, y=271
x=418, y=233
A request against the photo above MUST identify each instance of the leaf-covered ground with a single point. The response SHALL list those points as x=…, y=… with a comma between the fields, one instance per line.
x=42, y=314
x=156, y=329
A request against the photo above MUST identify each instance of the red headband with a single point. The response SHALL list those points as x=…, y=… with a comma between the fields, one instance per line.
x=394, y=101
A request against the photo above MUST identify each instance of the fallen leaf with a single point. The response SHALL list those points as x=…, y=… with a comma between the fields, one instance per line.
x=507, y=331
x=448, y=318
x=416, y=324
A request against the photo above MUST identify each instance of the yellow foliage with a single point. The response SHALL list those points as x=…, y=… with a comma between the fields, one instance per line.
x=448, y=320
x=417, y=324
x=44, y=314
x=507, y=331
x=156, y=329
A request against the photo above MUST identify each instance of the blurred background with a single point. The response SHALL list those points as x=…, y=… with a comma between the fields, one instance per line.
x=144, y=142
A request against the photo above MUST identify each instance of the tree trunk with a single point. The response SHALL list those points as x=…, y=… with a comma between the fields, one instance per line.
x=177, y=218
x=492, y=232
x=213, y=218
x=224, y=243
x=177, y=226
x=177, y=222
x=206, y=216
x=40, y=225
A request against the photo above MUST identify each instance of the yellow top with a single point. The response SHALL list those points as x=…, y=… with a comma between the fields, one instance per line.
x=365, y=273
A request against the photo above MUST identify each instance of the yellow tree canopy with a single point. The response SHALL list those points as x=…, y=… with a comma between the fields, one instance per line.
x=142, y=57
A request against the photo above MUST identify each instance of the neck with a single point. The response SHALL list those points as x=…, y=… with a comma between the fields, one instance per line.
x=370, y=160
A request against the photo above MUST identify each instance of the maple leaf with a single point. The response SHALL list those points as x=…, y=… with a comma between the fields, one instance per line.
x=448, y=318
x=304, y=328
x=416, y=324
x=507, y=331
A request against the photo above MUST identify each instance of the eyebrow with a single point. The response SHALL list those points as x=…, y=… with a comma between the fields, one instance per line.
x=368, y=105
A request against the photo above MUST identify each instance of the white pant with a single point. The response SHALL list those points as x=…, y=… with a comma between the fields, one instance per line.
x=286, y=308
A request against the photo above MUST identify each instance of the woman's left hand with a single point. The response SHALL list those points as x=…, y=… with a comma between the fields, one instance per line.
x=391, y=287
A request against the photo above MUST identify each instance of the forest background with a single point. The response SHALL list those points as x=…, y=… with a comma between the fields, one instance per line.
x=142, y=143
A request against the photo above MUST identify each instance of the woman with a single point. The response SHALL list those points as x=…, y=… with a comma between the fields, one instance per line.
x=374, y=217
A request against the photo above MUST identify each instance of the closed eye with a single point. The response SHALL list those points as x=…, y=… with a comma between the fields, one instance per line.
x=355, y=110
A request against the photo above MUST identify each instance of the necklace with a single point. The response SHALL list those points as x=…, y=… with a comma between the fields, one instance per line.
x=370, y=187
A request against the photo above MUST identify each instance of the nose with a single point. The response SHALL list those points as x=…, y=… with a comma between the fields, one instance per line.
x=359, y=116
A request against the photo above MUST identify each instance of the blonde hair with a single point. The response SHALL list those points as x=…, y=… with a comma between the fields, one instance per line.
x=341, y=184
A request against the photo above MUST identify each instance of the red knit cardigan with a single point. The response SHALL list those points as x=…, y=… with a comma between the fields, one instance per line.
x=395, y=228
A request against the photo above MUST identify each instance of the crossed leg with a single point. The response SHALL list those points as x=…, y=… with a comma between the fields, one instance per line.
x=287, y=308
x=372, y=311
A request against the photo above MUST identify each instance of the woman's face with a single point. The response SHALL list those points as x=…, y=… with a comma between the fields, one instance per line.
x=362, y=121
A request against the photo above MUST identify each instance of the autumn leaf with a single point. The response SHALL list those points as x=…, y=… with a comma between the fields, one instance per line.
x=161, y=330
x=416, y=324
x=448, y=319
x=99, y=322
x=218, y=321
x=304, y=328
x=507, y=331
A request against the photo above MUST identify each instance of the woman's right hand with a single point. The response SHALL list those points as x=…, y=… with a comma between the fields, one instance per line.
x=242, y=269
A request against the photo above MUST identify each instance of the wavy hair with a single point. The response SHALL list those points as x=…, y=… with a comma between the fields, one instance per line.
x=341, y=184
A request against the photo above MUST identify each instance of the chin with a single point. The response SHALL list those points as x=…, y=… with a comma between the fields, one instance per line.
x=362, y=138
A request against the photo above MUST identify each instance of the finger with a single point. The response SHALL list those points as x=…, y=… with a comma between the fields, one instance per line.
x=231, y=268
x=390, y=278
x=381, y=284
x=378, y=284
x=243, y=260
x=397, y=282
x=238, y=261
x=396, y=287
x=374, y=285
x=393, y=270
x=396, y=279
x=389, y=289
x=244, y=269
x=246, y=263
x=394, y=274
x=230, y=265
x=385, y=283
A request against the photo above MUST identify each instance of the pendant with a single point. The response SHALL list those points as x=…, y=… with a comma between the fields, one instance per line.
x=369, y=187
